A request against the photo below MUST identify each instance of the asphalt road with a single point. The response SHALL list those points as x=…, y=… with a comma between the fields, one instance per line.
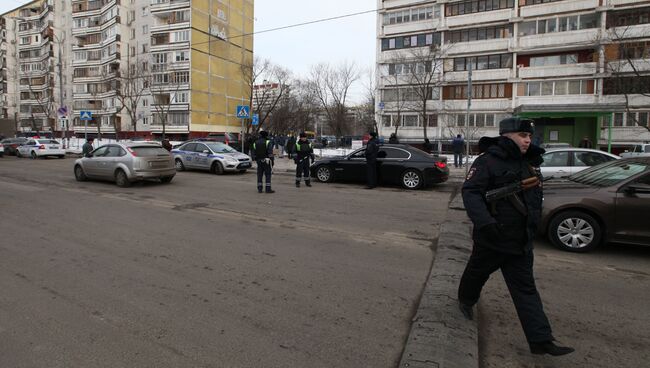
x=596, y=302
x=206, y=272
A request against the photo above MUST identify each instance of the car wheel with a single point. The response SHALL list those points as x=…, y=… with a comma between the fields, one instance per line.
x=411, y=179
x=575, y=231
x=166, y=179
x=242, y=171
x=34, y=155
x=61, y=156
x=325, y=174
x=79, y=173
x=179, y=165
x=217, y=168
x=121, y=179
x=18, y=154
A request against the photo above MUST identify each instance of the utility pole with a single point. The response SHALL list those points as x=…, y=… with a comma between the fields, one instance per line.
x=60, y=44
x=469, y=106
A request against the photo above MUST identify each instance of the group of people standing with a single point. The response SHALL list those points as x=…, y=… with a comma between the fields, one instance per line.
x=300, y=150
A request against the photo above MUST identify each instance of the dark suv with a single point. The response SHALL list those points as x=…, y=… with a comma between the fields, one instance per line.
x=231, y=139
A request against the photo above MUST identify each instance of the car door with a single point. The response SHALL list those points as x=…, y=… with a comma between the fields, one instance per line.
x=107, y=163
x=632, y=222
x=26, y=148
x=556, y=164
x=188, y=155
x=353, y=167
x=585, y=159
x=92, y=163
x=391, y=161
x=201, y=158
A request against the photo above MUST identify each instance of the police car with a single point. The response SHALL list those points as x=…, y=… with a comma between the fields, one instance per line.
x=213, y=156
x=40, y=147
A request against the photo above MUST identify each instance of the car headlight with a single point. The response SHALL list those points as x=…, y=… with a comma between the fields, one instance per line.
x=231, y=160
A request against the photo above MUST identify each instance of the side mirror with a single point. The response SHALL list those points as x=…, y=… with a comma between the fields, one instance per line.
x=206, y=151
x=638, y=188
x=626, y=151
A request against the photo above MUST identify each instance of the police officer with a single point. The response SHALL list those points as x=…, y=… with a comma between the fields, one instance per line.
x=303, y=151
x=263, y=155
x=504, y=229
x=372, y=149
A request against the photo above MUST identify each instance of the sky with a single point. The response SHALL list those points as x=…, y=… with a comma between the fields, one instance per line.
x=350, y=39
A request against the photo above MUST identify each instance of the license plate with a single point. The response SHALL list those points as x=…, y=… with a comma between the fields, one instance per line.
x=246, y=164
x=54, y=147
x=155, y=165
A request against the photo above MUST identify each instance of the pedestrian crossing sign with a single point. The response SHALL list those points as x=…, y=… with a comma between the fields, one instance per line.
x=243, y=111
x=85, y=115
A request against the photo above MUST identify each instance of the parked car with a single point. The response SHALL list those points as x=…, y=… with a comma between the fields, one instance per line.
x=549, y=146
x=637, y=150
x=125, y=163
x=562, y=162
x=41, y=147
x=213, y=156
x=11, y=145
x=398, y=164
x=605, y=203
x=2, y=150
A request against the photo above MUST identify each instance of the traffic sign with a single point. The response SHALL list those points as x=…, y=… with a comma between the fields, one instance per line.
x=243, y=111
x=63, y=111
x=256, y=119
x=381, y=105
x=85, y=115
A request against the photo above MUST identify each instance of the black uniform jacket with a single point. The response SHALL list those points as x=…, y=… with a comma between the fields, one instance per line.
x=303, y=150
x=500, y=165
x=372, y=149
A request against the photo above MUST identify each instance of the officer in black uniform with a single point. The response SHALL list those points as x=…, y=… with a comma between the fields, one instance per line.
x=504, y=229
x=302, y=153
x=372, y=149
x=263, y=155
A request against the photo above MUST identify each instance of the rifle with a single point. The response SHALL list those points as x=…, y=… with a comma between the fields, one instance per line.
x=511, y=189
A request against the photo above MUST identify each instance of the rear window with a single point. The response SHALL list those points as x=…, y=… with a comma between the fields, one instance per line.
x=149, y=151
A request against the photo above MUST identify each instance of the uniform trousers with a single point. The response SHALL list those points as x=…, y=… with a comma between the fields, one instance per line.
x=263, y=170
x=371, y=167
x=517, y=272
x=302, y=169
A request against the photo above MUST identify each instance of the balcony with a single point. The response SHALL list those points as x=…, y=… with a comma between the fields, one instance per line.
x=95, y=6
x=558, y=7
x=559, y=40
x=628, y=32
x=499, y=104
x=166, y=5
x=396, y=3
x=477, y=18
x=563, y=100
x=410, y=27
x=624, y=2
x=624, y=66
x=493, y=46
x=558, y=70
x=479, y=75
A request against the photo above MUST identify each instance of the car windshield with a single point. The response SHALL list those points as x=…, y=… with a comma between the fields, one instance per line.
x=220, y=148
x=144, y=151
x=609, y=174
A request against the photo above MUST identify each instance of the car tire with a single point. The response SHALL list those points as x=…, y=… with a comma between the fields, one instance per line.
x=575, y=231
x=79, y=173
x=61, y=156
x=178, y=163
x=166, y=179
x=217, y=168
x=121, y=180
x=324, y=174
x=34, y=155
x=18, y=154
x=411, y=179
x=242, y=171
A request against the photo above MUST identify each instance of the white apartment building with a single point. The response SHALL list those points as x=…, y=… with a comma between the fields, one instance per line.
x=133, y=64
x=568, y=64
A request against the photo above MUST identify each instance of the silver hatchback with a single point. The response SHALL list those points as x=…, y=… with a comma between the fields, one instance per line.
x=214, y=156
x=125, y=163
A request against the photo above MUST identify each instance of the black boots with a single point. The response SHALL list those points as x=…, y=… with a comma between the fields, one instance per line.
x=548, y=347
x=297, y=184
x=466, y=310
x=308, y=183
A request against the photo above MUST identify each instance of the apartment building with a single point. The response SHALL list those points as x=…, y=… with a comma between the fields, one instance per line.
x=568, y=64
x=140, y=67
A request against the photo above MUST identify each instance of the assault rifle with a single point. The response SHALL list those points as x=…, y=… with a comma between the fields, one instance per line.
x=511, y=189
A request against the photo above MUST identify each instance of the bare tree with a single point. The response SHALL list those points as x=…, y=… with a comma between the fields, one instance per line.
x=44, y=97
x=269, y=86
x=165, y=90
x=331, y=86
x=626, y=60
x=367, y=115
x=134, y=80
x=394, y=95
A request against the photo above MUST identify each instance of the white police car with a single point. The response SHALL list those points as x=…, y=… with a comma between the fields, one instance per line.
x=213, y=156
x=41, y=147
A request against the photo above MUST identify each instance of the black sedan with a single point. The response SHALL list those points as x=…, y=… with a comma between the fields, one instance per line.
x=397, y=164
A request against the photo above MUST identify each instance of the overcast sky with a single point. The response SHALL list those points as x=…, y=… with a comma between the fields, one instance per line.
x=349, y=39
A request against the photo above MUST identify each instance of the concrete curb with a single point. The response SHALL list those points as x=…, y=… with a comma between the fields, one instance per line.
x=440, y=336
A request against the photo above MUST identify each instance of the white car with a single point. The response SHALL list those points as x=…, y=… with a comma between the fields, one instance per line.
x=562, y=162
x=2, y=150
x=41, y=147
x=637, y=150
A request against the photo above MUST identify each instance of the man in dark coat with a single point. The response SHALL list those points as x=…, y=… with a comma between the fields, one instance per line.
x=372, y=149
x=504, y=229
x=87, y=147
x=303, y=152
x=393, y=139
x=263, y=155
x=427, y=146
x=458, y=147
x=290, y=144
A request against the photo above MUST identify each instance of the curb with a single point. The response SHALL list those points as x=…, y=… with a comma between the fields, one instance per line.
x=440, y=336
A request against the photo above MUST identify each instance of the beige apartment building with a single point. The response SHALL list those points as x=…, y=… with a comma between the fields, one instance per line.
x=139, y=67
x=578, y=67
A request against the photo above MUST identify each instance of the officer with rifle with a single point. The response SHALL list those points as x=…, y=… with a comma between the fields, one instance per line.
x=503, y=197
x=302, y=153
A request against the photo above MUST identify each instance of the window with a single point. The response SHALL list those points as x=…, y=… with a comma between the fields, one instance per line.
x=385, y=120
x=618, y=119
x=561, y=24
x=410, y=41
x=556, y=159
x=628, y=17
x=180, y=98
x=181, y=36
x=479, y=91
x=144, y=11
x=432, y=120
x=410, y=120
x=474, y=34
x=145, y=48
x=145, y=29
x=476, y=6
x=394, y=153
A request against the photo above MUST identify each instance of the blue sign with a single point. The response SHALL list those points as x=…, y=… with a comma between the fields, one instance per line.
x=85, y=115
x=381, y=105
x=243, y=112
x=63, y=111
x=256, y=119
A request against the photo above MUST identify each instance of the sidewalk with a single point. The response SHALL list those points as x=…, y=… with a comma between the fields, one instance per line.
x=440, y=336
